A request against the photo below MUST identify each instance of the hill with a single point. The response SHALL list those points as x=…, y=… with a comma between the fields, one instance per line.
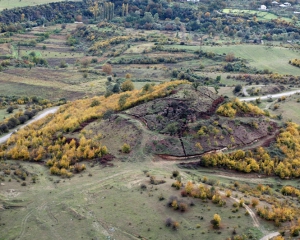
x=134, y=137
x=178, y=121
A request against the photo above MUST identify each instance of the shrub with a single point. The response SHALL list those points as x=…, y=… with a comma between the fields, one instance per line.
x=125, y=148
x=184, y=193
x=147, y=88
x=228, y=193
x=175, y=205
x=161, y=197
x=175, y=173
x=127, y=86
x=22, y=119
x=254, y=202
x=12, y=122
x=107, y=68
x=183, y=207
x=177, y=185
x=237, y=88
x=10, y=109
x=169, y=222
x=241, y=203
x=172, y=128
x=63, y=64
x=79, y=168
x=175, y=225
x=122, y=100
x=230, y=57
x=216, y=221
x=3, y=128
x=235, y=204
x=95, y=103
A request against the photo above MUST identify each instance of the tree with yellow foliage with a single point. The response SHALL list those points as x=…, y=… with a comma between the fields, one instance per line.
x=95, y=9
x=44, y=139
x=216, y=221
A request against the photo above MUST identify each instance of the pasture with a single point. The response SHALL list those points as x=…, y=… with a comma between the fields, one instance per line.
x=275, y=59
x=53, y=206
x=261, y=15
x=23, y=3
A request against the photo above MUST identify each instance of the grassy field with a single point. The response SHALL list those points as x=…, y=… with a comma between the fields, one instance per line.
x=4, y=114
x=52, y=82
x=259, y=56
x=289, y=108
x=75, y=208
x=261, y=15
x=71, y=80
x=24, y=3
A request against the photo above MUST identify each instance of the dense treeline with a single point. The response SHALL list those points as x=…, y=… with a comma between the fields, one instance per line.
x=176, y=16
x=63, y=11
x=44, y=139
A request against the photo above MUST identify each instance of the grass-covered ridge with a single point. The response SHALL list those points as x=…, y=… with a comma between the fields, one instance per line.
x=44, y=140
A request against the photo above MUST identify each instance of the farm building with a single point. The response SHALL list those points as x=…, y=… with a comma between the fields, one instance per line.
x=263, y=8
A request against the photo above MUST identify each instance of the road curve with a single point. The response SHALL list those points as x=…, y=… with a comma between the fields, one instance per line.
x=245, y=92
x=270, y=236
x=39, y=116
x=278, y=95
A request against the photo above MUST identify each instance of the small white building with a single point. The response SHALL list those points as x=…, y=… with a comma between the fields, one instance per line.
x=287, y=4
x=263, y=8
x=275, y=3
x=282, y=5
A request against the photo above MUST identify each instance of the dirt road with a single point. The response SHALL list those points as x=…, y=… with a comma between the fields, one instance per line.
x=278, y=95
x=39, y=116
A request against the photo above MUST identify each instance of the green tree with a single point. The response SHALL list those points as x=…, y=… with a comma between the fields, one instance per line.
x=148, y=17
x=122, y=100
x=10, y=109
x=156, y=17
x=127, y=86
x=116, y=88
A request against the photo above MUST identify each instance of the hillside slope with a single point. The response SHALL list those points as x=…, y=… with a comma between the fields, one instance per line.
x=169, y=120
